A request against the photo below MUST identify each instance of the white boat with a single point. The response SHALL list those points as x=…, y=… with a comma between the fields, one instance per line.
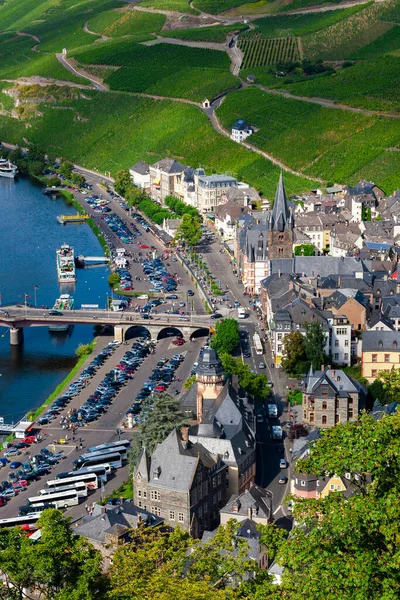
x=59, y=328
x=64, y=302
x=7, y=169
x=66, y=264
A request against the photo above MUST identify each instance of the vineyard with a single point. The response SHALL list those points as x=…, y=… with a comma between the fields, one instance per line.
x=259, y=51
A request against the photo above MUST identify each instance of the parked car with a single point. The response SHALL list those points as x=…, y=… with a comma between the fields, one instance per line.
x=282, y=463
x=282, y=479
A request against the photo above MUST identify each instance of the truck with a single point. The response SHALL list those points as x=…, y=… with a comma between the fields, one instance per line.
x=241, y=312
x=276, y=432
x=272, y=411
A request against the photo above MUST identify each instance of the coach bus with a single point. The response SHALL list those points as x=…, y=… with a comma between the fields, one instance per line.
x=59, y=499
x=258, y=347
x=110, y=446
x=89, y=479
x=114, y=460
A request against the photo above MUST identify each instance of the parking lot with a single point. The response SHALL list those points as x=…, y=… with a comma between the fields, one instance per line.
x=103, y=428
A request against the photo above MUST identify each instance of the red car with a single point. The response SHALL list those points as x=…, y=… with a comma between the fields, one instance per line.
x=160, y=388
x=178, y=342
x=30, y=439
x=143, y=246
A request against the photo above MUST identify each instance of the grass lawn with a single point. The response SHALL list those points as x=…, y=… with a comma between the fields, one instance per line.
x=217, y=33
x=373, y=85
x=326, y=143
x=142, y=129
x=192, y=73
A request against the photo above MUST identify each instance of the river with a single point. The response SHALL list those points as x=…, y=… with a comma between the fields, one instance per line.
x=29, y=237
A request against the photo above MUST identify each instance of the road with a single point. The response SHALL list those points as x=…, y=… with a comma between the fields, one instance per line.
x=104, y=429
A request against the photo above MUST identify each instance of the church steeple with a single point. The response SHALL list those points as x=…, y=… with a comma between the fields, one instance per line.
x=281, y=216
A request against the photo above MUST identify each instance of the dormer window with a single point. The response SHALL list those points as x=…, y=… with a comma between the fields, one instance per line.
x=394, y=344
x=380, y=344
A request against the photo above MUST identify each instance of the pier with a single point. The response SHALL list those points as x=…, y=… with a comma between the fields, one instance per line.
x=92, y=260
x=64, y=219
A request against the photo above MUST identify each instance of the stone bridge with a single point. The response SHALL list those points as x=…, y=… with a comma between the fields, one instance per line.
x=17, y=317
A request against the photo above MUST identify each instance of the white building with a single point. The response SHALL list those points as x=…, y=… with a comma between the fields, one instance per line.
x=210, y=188
x=241, y=130
x=140, y=174
x=340, y=340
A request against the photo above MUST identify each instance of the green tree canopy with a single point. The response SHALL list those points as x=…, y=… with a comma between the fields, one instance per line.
x=294, y=352
x=190, y=230
x=390, y=384
x=164, y=417
x=314, y=344
x=122, y=182
x=66, y=168
x=304, y=250
x=227, y=336
x=256, y=385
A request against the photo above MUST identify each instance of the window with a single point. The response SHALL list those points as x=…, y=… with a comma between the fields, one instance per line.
x=374, y=358
x=324, y=419
x=219, y=495
x=219, y=478
x=347, y=475
x=180, y=517
x=205, y=489
x=297, y=481
x=200, y=513
x=336, y=356
x=279, y=337
x=139, y=493
x=339, y=488
x=346, y=356
x=332, y=487
x=279, y=347
x=311, y=417
x=346, y=342
x=205, y=509
x=324, y=405
x=373, y=373
x=154, y=495
x=341, y=331
x=140, y=504
x=156, y=510
x=144, y=493
x=337, y=418
x=350, y=413
x=387, y=358
x=172, y=515
x=336, y=343
x=303, y=483
x=317, y=483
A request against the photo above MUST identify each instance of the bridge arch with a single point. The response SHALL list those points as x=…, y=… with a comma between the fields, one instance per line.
x=135, y=331
x=201, y=332
x=170, y=331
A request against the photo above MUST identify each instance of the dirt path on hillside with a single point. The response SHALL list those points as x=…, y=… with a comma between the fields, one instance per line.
x=46, y=81
x=62, y=59
x=101, y=38
x=329, y=103
x=193, y=44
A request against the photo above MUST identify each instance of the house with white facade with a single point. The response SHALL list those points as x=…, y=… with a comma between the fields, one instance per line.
x=241, y=130
x=210, y=188
x=140, y=174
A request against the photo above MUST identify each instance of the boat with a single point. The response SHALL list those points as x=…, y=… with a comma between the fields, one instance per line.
x=64, y=302
x=7, y=169
x=59, y=328
x=66, y=264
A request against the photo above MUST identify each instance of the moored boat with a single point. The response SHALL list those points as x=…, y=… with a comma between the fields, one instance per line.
x=7, y=169
x=64, y=302
x=66, y=264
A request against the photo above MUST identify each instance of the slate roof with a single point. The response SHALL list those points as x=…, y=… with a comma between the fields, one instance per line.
x=169, y=165
x=255, y=498
x=209, y=363
x=211, y=181
x=281, y=217
x=380, y=341
x=379, y=317
x=277, y=285
x=117, y=521
x=313, y=266
x=363, y=187
x=172, y=465
x=241, y=125
x=341, y=296
x=336, y=378
x=141, y=167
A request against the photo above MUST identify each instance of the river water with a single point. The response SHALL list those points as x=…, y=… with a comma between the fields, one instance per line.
x=29, y=237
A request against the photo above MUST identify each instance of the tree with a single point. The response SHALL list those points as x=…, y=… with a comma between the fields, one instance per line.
x=314, y=344
x=114, y=279
x=227, y=336
x=84, y=350
x=294, y=352
x=35, y=168
x=122, y=182
x=59, y=566
x=66, y=169
x=390, y=382
x=345, y=547
x=189, y=382
x=190, y=230
x=164, y=417
x=53, y=181
x=256, y=385
x=78, y=179
x=304, y=250
x=134, y=195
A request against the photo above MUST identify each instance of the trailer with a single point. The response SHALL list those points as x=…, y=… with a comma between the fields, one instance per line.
x=277, y=432
x=272, y=411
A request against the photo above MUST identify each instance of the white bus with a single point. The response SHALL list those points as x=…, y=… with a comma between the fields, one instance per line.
x=258, y=347
x=121, y=450
x=27, y=521
x=39, y=508
x=78, y=486
x=110, y=445
x=114, y=460
x=102, y=471
x=60, y=499
x=89, y=479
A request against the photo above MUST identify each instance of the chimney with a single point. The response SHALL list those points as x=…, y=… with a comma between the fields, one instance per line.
x=250, y=512
x=199, y=406
x=322, y=367
x=338, y=282
x=185, y=434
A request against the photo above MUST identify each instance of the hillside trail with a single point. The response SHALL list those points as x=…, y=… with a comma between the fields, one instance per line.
x=62, y=59
x=327, y=103
x=101, y=38
x=193, y=44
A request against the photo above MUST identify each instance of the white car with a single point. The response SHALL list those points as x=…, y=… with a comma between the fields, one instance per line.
x=260, y=418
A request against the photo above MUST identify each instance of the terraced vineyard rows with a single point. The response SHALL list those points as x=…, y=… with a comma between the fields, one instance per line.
x=259, y=51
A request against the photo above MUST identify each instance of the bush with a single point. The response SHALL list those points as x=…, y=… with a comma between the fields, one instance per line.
x=84, y=349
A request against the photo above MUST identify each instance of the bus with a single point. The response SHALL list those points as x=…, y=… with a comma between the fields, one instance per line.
x=89, y=479
x=110, y=445
x=39, y=508
x=60, y=499
x=121, y=450
x=258, y=347
x=78, y=486
x=114, y=460
x=102, y=471
x=27, y=521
